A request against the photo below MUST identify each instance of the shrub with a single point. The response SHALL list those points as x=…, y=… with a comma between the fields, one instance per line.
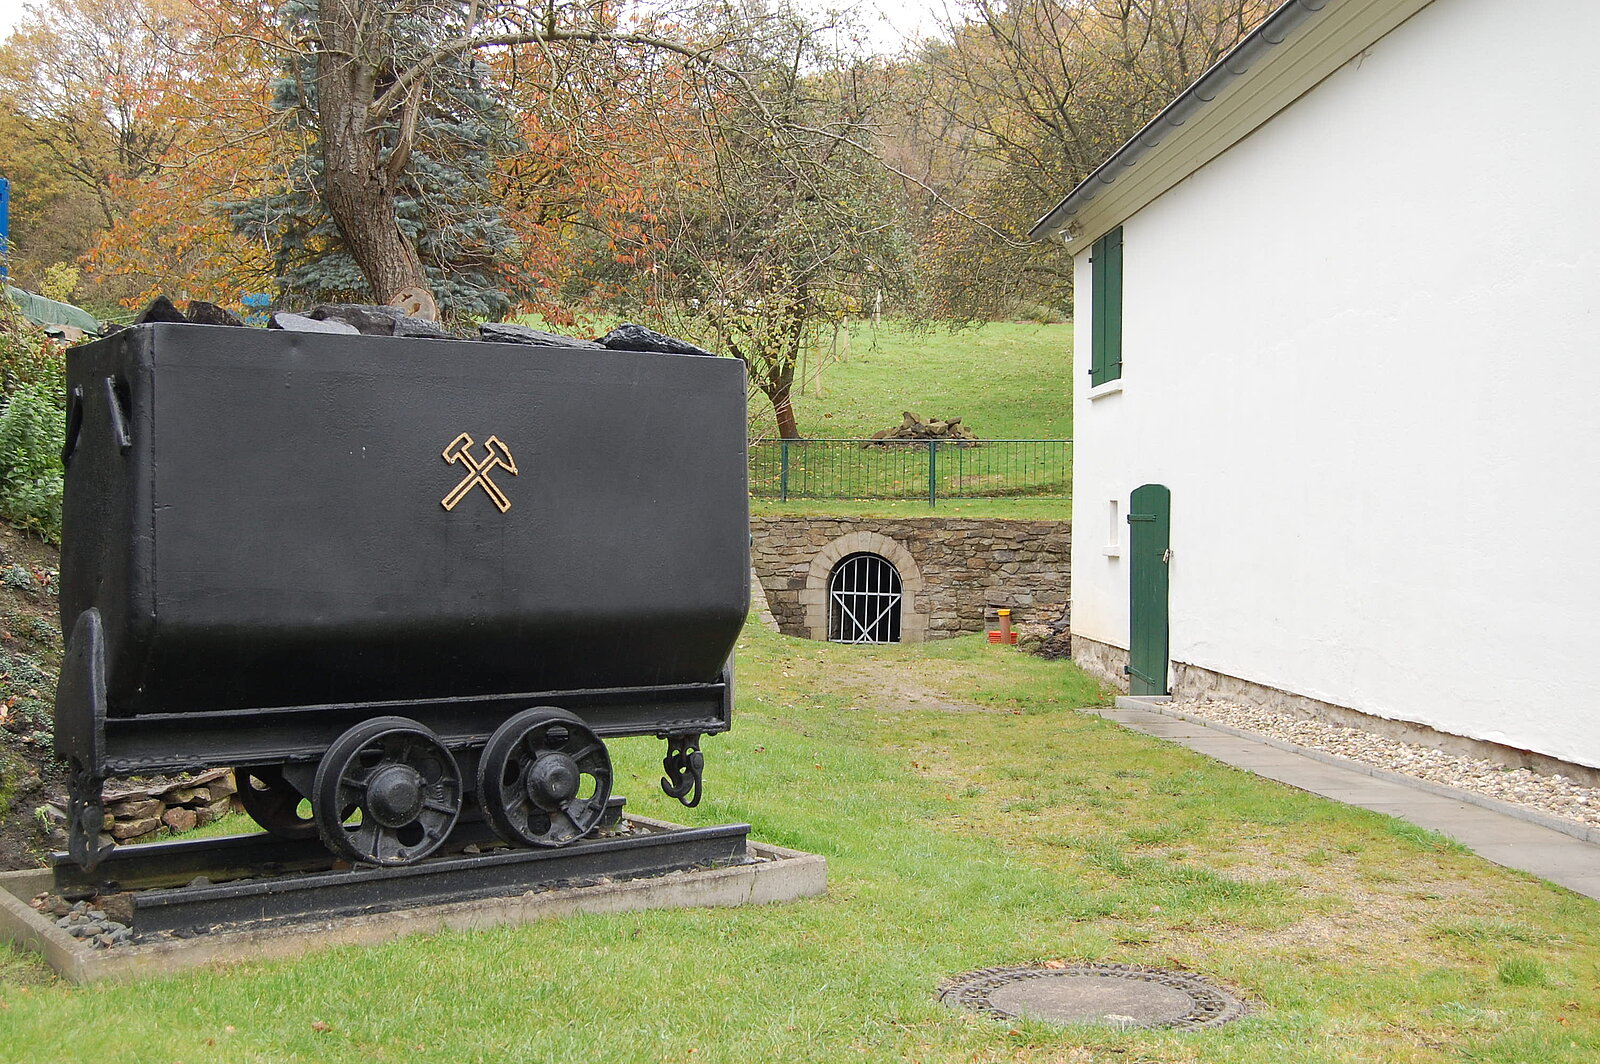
x=17, y=578
x=1038, y=313
x=60, y=282
x=32, y=432
x=26, y=694
x=28, y=356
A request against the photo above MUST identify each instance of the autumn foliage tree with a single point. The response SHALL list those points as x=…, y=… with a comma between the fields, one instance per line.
x=377, y=70
x=391, y=160
x=86, y=79
x=1035, y=94
x=608, y=133
x=786, y=223
x=171, y=234
x=727, y=169
x=151, y=123
x=82, y=88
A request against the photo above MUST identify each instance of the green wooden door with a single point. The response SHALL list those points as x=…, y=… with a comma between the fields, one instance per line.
x=1149, y=536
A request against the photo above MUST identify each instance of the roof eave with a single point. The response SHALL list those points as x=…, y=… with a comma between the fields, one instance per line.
x=1273, y=30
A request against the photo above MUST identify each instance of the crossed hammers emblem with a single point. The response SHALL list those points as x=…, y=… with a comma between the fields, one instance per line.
x=460, y=450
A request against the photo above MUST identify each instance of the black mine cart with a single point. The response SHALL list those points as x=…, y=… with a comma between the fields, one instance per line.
x=395, y=580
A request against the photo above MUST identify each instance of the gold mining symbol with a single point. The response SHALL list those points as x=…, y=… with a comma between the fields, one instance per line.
x=460, y=450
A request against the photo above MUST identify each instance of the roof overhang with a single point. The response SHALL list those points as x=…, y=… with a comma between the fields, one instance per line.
x=1293, y=49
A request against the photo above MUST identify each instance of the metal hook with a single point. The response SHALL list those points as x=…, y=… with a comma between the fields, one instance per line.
x=685, y=768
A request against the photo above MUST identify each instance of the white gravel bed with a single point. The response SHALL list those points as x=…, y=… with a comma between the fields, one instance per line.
x=1554, y=795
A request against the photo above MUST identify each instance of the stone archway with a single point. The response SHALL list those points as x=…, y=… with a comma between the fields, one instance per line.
x=913, y=610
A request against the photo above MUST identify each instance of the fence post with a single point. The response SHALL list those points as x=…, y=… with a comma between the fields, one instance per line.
x=783, y=471
x=933, y=472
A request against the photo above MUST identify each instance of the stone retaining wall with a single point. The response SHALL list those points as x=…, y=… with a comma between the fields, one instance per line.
x=956, y=571
x=141, y=811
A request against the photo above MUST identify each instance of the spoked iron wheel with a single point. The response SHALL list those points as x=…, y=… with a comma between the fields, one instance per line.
x=274, y=803
x=404, y=783
x=544, y=778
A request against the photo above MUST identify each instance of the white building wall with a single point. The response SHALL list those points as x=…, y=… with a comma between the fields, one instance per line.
x=1362, y=349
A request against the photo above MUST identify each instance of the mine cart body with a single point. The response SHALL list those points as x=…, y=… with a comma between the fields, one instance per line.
x=271, y=536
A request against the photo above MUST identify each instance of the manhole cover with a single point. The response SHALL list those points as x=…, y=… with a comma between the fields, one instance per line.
x=1119, y=995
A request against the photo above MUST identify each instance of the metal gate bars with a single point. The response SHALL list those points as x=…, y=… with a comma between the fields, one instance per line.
x=864, y=595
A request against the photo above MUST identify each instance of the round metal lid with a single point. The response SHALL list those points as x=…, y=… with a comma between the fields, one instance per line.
x=1117, y=995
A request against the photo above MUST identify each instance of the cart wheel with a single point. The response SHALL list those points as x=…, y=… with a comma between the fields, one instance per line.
x=403, y=782
x=273, y=802
x=544, y=778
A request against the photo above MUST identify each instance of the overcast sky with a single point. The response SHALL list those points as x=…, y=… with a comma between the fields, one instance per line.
x=891, y=21
x=10, y=11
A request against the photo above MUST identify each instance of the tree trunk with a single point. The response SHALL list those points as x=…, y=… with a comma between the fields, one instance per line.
x=358, y=188
x=788, y=428
x=777, y=383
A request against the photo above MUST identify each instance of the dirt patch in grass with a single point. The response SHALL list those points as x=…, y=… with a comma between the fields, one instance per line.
x=893, y=688
x=1356, y=913
x=859, y=675
x=964, y=675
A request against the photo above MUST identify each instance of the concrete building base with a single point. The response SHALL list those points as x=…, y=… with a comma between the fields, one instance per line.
x=777, y=874
x=1194, y=682
x=1101, y=660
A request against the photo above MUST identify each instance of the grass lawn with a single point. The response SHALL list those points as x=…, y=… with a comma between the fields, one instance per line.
x=1006, y=380
x=970, y=818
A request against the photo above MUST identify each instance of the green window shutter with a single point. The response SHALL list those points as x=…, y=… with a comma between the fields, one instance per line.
x=1113, y=348
x=1106, y=353
x=1097, y=329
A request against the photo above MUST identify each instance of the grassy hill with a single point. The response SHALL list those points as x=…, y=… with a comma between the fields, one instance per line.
x=1007, y=381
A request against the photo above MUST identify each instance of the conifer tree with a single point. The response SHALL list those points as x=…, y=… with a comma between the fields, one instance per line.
x=442, y=201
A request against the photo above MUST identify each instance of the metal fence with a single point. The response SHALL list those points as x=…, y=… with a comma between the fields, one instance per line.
x=909, y=469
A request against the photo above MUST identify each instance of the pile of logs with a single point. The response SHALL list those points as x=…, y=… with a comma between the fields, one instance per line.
x=914, y=428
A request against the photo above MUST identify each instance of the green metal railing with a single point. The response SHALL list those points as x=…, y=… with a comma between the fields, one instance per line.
x=909, y=469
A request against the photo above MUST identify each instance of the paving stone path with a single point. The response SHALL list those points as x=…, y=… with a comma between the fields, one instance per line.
x=1505, y=835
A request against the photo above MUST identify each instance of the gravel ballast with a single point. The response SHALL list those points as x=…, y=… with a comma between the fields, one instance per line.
x=1552, y=795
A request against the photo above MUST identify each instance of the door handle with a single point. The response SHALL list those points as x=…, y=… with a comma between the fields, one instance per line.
x=117, y=404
